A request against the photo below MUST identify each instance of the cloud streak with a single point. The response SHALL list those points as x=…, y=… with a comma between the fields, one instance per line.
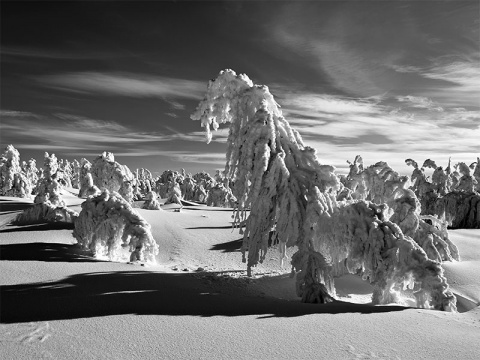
x=126, y=84
x=381, y=128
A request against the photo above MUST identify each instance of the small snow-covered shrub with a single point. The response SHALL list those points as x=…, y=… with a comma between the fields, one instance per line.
x=151, y=202
x=107, y=222
x=174, y=194
x=45, y=212
x=221, y=196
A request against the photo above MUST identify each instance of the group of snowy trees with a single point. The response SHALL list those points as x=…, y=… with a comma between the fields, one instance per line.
x=452, y=195
x=367, y=223
x=390, y=229
x=107, y=220
x=23, y=179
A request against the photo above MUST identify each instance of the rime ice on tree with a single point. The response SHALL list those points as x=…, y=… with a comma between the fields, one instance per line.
x=107, y=174
x=49, y=205
x=14, y=181
x=450, y=197
x=107, y=222
x=288, y=190
x=151, y=202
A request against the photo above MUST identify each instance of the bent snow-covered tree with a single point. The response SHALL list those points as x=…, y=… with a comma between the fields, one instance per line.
x=107, y=222
x=289, y=191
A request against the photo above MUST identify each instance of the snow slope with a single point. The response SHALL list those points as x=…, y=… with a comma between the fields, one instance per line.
x=197, y=303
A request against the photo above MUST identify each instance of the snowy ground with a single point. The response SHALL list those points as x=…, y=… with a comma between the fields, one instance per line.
x=197, y=303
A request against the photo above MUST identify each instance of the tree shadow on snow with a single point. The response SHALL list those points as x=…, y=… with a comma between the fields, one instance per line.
x=236, y=245
x=9, y=205
x=230, y=246
x=59, y=225
x=152, y=293
x=50, y=252
x=210, y=227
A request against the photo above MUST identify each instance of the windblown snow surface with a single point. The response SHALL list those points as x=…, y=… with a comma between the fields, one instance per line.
x=57, y=302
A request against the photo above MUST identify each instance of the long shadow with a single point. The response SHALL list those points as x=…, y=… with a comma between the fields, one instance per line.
x=236, y=245
x=150, y=293
x=230, y=246
x=50, y=252
x=209, y=227
x=5, y=205
x=207, y=208
x=39, y=227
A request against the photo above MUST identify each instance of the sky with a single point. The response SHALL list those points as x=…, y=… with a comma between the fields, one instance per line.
x=387, y=80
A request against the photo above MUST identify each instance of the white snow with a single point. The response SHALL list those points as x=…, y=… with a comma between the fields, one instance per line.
x=197, y=303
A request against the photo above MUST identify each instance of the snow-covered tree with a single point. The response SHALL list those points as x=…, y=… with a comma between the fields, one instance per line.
x=85, y=179
x=151, y=202
x=9, y=168
x=109, y=175
x=221, y=196
x=76, y=168
x=143, y=183
x=188, y=188
x=174, y=194
x=200, y=194
x=290, y=191
x=107, y=222
x=49, y=205
x=450, y=196
x=476, y=174
x=467, y=183
x=382, y=185
x=31, y=173
x=203, y=178
x=459, y=209
x=65, y=173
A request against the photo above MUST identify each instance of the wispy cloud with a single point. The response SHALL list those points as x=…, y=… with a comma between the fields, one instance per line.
x=338, y=63
x=181, y=156
x=43, y=53
x=70, y=132
x=457, y=79
x=126, y=84
x=383, y=128
x=420, y=102
x=465, y=75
